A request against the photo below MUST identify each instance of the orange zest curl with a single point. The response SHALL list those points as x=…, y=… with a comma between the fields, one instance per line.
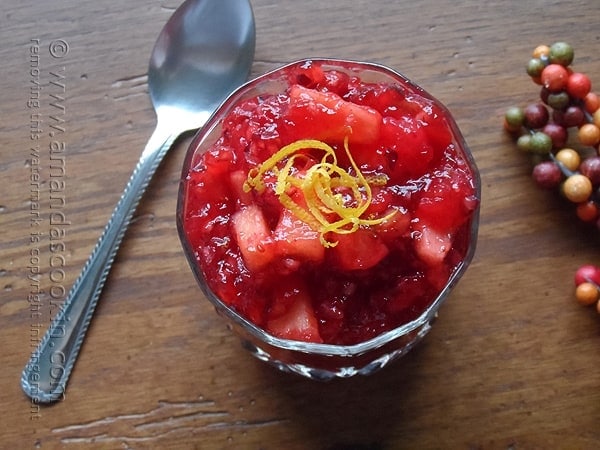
x=327, y=209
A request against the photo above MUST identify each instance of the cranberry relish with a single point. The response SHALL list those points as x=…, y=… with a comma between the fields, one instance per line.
x=300, y=283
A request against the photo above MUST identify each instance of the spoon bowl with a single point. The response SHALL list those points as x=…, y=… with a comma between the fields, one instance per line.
x=202, y=54
x=192, y=66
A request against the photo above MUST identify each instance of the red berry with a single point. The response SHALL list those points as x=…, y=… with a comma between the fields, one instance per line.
x=573, y=116
x=590, y=167
x=578, y=85
x=536, y=116
x=547, y=175
x=587, y=273
x=587, y=211
x=554, y=77
x=557, y=133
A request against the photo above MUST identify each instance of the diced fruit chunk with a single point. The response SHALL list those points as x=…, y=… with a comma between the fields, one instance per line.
x=294, y=238
x=410, y=152
x=448, y=200
x=431, y=245
x=298, y=322
x=327, y=117
x=253, y=237
x=396, y=226
x=360, y=250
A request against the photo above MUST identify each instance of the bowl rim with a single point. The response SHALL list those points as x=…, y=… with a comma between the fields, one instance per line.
x=321, y=348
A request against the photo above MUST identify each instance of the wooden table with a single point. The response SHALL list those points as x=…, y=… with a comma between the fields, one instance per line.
x=512, y=363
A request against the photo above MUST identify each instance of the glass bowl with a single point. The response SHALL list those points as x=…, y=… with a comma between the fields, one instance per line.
x=316, y=360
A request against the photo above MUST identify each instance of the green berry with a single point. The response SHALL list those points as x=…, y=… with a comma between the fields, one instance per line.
x=515, y=116
x=558, y=100
x=535, y=67
x=561, y=53
x=524, y=142
x=540, y=143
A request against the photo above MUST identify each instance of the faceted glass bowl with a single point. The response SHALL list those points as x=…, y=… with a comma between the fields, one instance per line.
x=312, y=360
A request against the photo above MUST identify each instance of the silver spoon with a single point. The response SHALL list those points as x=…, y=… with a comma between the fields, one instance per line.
x=204, y=52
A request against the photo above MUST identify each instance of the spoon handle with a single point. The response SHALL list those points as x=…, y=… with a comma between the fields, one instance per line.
x=46, y=374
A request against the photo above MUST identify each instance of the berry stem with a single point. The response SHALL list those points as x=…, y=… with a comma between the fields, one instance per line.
x=564, y=169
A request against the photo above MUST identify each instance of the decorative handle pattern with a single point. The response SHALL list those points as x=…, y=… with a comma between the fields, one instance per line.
x=46, y=374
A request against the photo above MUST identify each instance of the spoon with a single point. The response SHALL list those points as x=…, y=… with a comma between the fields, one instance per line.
x=202, y=54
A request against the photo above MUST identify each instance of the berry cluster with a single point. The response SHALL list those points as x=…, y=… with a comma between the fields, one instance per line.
x=567, y=107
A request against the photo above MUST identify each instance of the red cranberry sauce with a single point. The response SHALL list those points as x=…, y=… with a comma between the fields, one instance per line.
x=273, y=268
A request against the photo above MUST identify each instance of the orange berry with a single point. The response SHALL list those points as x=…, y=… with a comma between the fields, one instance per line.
x=587, y=294
x=541, y=51
x=577, y=188
x=591, y=102
x=569, y=158
x=589, y=134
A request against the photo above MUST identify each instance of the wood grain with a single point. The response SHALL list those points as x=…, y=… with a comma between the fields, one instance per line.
x=512, y=361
